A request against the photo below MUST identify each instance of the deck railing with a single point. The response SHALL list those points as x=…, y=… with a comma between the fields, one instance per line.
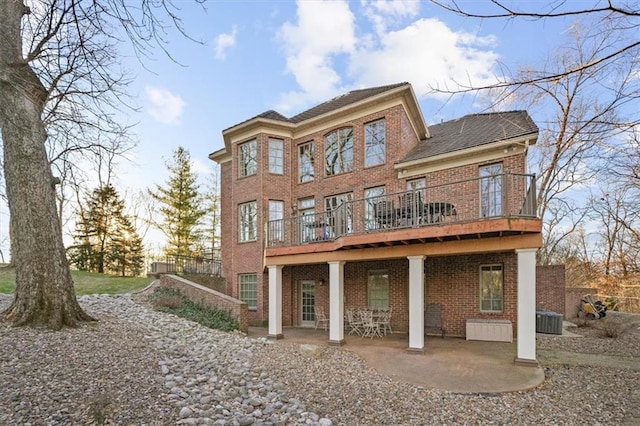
x=504, y=195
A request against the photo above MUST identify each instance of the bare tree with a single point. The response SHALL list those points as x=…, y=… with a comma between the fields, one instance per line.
x=624, y=18
x=581, y=99
x=66, y=65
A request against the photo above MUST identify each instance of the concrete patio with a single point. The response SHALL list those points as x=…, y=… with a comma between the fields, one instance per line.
x=450, y=364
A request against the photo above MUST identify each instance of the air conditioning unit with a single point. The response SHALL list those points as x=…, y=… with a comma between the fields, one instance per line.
x=548, y=322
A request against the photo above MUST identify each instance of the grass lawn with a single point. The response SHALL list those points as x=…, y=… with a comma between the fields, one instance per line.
x=84, y=282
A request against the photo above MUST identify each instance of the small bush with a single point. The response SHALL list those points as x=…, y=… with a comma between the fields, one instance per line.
x=612, y=328
x=581, y=322
x=172, y=301
x=98, y=408
x=168, y=301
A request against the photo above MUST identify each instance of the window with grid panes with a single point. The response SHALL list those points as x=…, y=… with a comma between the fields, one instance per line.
x=491, y=288
x=378, y=289
x=276, y=222
x=305, y=162
x=372, y=196
x=276, y=156
x=338, y=151
x=491, y=190
x=374, y=143
x=248, y=289
x=248, y=220
x=248, y=158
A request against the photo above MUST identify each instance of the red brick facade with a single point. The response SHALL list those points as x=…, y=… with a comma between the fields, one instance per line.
x=450, y=280
x=551, y=288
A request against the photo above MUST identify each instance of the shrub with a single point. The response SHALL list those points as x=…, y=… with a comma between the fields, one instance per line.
x=582, y=322
x=613, y=328
x=172, y=301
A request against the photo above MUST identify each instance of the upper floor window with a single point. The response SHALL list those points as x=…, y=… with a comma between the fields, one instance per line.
x=374, y=199
x=491, y=293
x=305, y=162
x=248, y=158
x=248, y=220
x=340, y=208
x=374, y=143
x=491, y=190
x=276, y=156
x=307, y=213
x=338, y=151
x=276, y=220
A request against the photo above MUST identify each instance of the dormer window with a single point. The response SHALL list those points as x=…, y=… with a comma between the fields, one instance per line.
x=338, y=151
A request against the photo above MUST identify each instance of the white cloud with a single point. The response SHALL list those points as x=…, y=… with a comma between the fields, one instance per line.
x=165, y=106
x=425, y=52
x=323, y=30
x=383, y=13
x=224, y=42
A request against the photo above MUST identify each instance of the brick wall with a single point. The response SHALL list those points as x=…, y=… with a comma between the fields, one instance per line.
x=572, y=297
x=204, y=296
x=452, y=282
x=550, y=288
x=247, y=257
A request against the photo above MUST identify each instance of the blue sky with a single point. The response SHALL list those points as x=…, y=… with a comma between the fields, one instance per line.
x=288, y=56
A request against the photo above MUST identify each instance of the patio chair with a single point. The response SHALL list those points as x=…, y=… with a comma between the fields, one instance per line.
x=354, y=322
x=321, y=318
x=384, y=212
x=383, y=319
x=370, y=327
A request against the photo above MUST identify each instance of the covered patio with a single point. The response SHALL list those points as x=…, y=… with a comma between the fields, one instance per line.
x=449, y=364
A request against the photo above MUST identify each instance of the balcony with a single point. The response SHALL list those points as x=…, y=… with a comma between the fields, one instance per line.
x=498, y=205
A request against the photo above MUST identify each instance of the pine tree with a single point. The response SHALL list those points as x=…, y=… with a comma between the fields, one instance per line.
x=181, y=206
x=105, y=238
x=125, y=254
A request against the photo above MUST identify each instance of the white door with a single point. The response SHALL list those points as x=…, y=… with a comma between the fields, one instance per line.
x=307, y=303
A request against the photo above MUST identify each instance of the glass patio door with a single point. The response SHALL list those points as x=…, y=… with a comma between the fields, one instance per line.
x=307, y=303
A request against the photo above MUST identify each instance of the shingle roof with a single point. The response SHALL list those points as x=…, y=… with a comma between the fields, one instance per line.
x=342, y=101
x=325, y=107
x=471, y=131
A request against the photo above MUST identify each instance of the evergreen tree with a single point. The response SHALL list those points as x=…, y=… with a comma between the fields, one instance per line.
x=181, y=206
x=105, y=238
x=125, y=255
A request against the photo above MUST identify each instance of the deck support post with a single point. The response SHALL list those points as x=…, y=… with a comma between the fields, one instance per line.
x=275, y=302
x=336, y=303
x=416, y=304
x=526, y=352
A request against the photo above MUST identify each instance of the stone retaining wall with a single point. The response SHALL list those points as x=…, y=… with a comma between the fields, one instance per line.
x=209, y=298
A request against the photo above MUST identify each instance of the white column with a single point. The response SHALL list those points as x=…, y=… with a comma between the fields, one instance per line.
x=336, y=303
x=275, y=302
x=416, y=303
x=526, y=307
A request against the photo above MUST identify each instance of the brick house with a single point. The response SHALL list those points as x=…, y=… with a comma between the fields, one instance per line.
x=357, y=202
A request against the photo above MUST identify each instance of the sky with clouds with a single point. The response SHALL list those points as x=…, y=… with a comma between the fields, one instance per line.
x=289, y=56
x=258, y=55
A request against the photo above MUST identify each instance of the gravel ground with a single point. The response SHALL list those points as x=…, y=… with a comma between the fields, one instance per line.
x=137, y=366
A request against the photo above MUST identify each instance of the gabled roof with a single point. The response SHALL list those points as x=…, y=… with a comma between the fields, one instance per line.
x=342, y=101
x=472, y=131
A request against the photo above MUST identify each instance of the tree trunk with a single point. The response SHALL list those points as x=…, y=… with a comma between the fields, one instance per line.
x=44, y=289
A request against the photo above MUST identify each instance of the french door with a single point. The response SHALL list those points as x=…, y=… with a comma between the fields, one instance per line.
x=307, y=303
